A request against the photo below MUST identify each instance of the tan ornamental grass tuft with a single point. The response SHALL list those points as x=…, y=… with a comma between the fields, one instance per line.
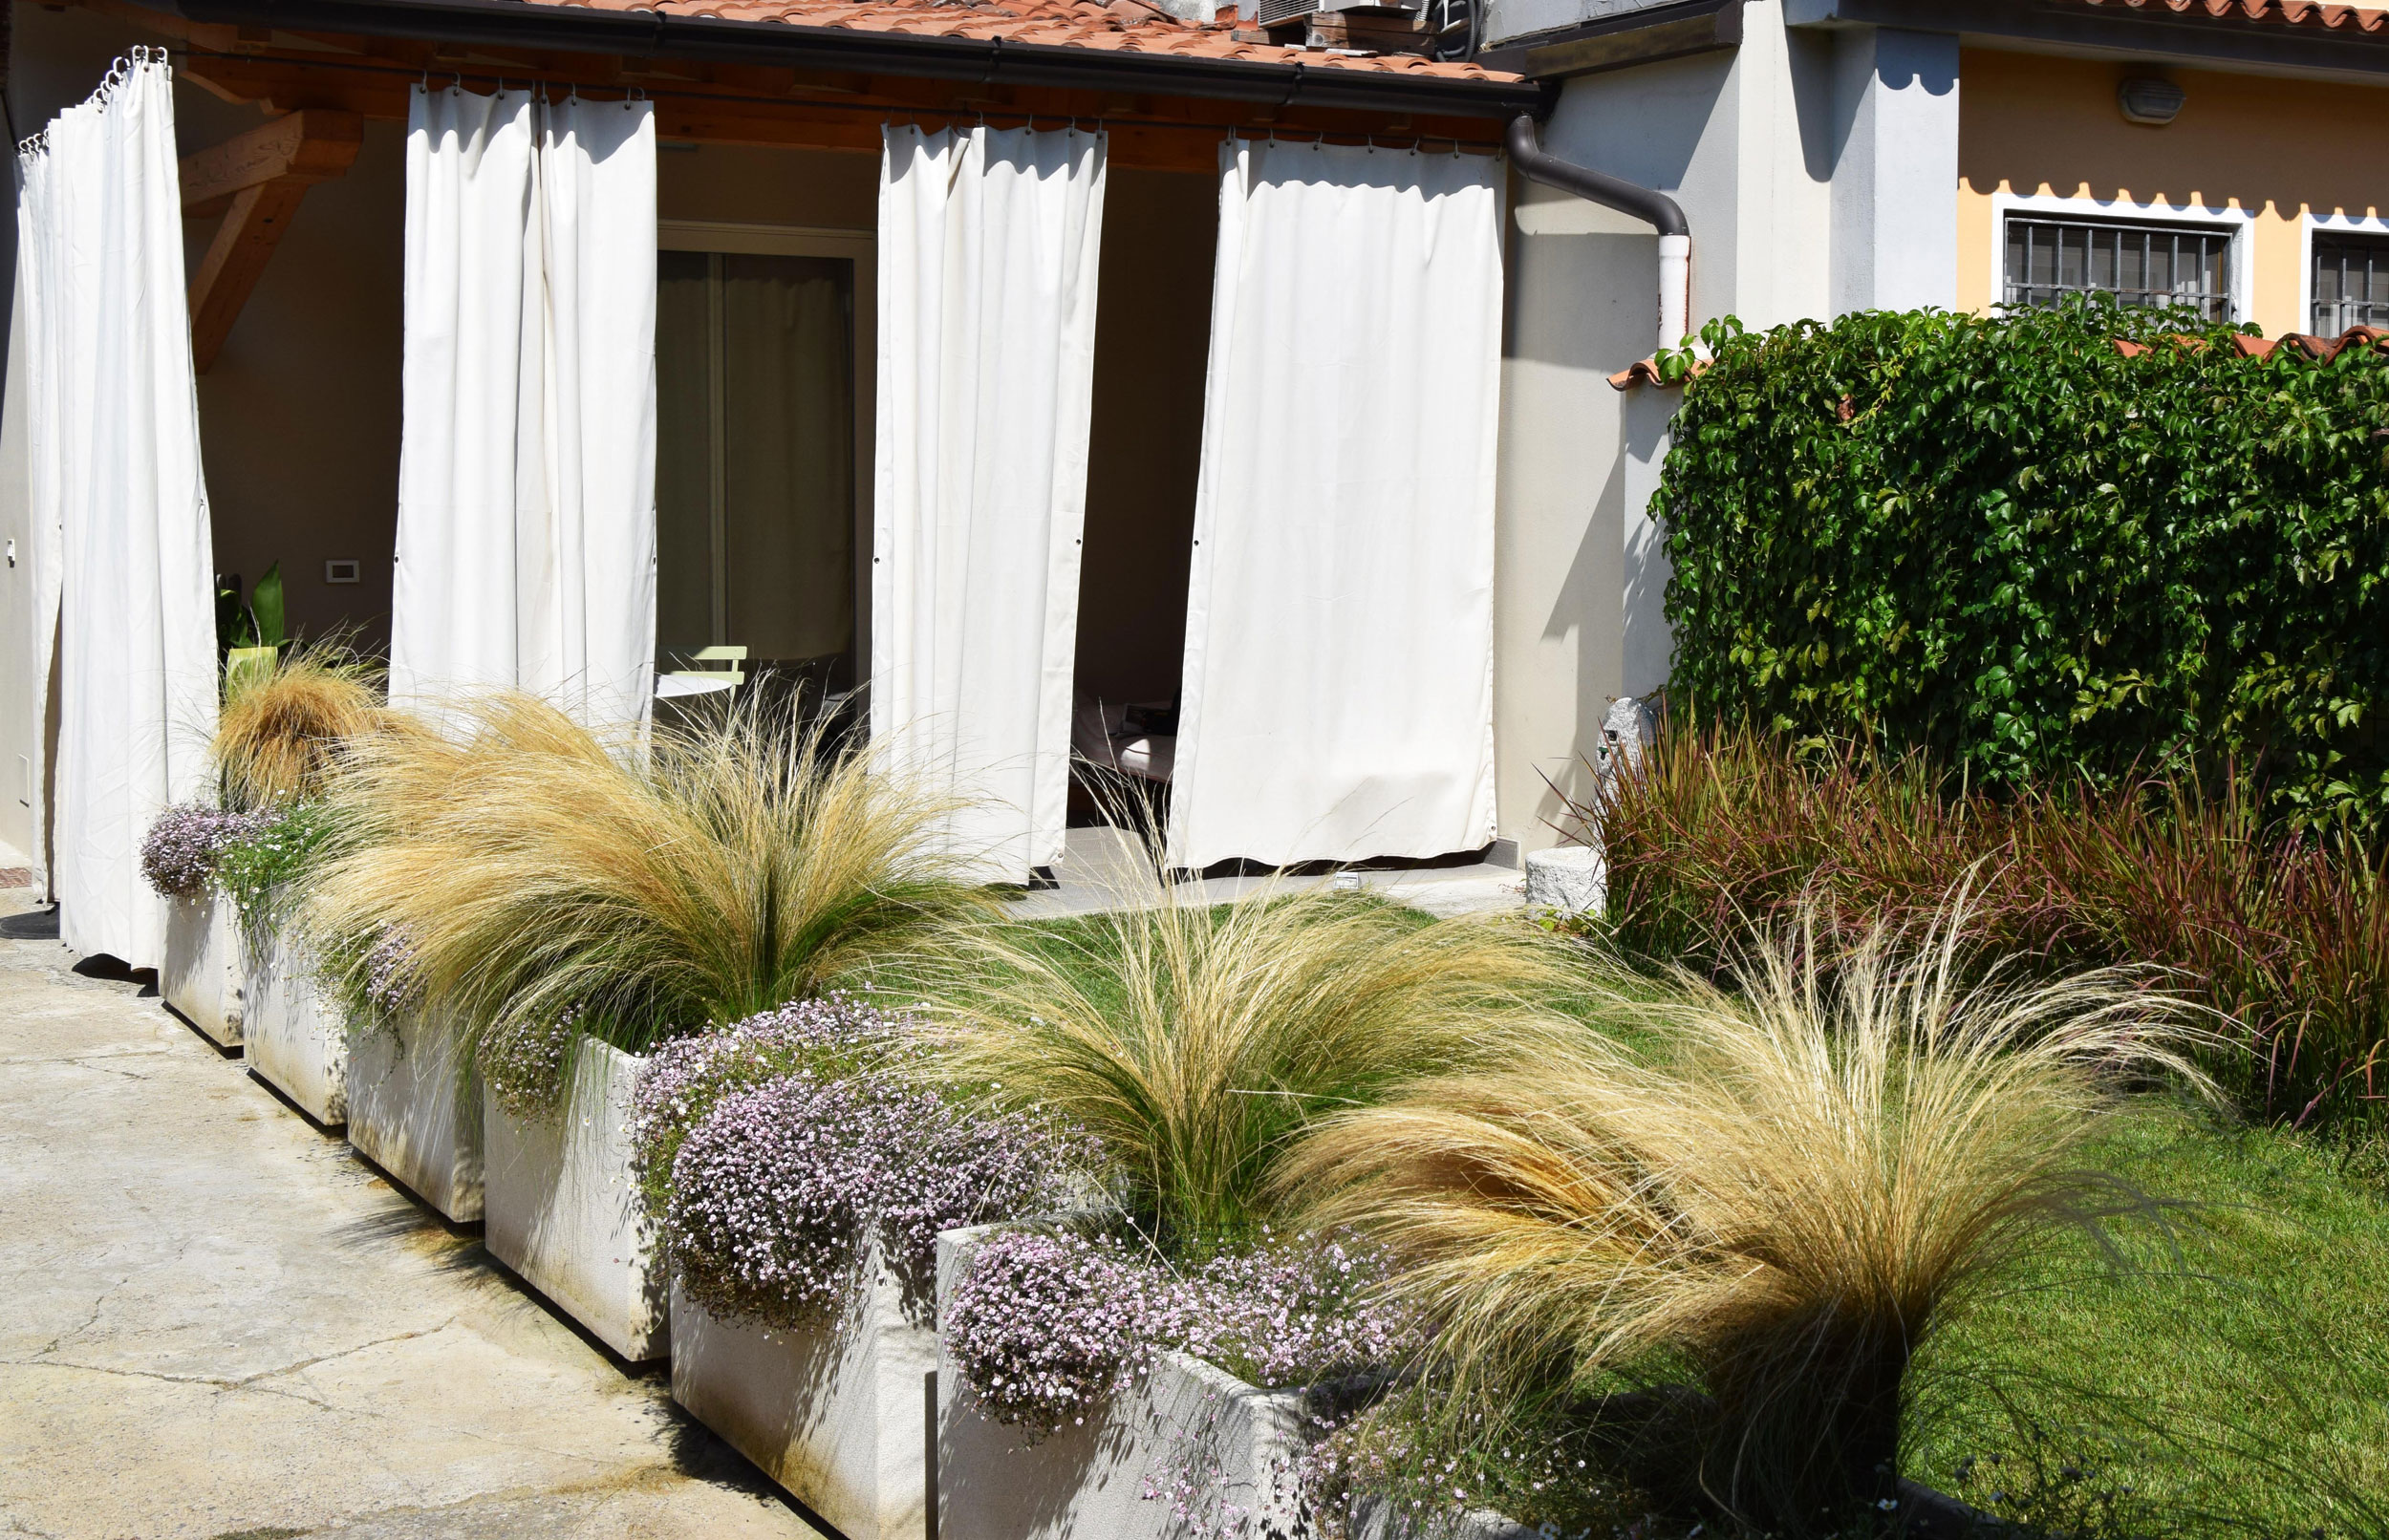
x=281, y=726
x=1778, y=1202
x=1195, y=1040
x=542, y=873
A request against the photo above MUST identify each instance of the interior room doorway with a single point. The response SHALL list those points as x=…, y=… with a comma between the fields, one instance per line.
x=1152, y=332
x=762, y=376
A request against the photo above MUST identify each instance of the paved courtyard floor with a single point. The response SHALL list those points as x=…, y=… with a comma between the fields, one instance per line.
x=217, y=1322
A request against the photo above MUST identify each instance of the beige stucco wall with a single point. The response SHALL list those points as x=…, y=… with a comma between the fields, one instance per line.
x=809, y=189
x=2279, y=148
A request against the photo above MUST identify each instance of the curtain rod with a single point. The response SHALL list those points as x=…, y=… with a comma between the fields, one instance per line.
x=882, y=113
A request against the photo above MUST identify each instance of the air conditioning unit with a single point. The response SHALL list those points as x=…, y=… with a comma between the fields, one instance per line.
x=1286, y=12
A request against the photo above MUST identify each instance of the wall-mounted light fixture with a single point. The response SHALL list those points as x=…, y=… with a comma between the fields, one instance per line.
x=2146, y=100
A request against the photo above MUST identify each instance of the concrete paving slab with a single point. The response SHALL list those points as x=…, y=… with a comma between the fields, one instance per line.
x=224, y=1323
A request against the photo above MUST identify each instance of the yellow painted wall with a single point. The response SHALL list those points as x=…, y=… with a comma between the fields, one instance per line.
x=2280, y=148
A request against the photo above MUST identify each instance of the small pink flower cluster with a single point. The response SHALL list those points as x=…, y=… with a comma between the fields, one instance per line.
x=391, y=984
x=833, y=1034
x=180, y=854
x=770, y=1197
x=524, y=1064
x=786, y=1144
x=1044, y=1326
x=1297, y=1312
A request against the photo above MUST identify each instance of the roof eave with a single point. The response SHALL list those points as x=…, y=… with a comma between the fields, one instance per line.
x=2197, y=41
x=985, y=61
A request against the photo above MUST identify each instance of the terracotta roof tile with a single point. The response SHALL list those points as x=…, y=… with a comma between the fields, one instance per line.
x=2367, y=20
x=1123, y=25
x=2321, y=349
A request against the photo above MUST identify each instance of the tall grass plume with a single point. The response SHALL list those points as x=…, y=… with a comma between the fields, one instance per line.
x=546, y=876
x=1195, y=1040
x=1780, y=1202
x=281, y=728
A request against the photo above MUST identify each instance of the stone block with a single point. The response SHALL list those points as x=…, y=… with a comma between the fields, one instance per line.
x=415, y=1110
x=563, y=1207
x=294, y=1036
x=841, y=1413
x=1185, y=1420
x=1573, y=878
x=202, y=977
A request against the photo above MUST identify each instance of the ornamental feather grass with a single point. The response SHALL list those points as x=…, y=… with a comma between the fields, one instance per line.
x=1194, y=1041
x=281, y=728
x=2286, y=931
x=1781, y=1202
x=541, y=872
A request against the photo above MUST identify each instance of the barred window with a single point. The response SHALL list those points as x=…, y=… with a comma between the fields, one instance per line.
x=2351, y=281
x=2137, y=263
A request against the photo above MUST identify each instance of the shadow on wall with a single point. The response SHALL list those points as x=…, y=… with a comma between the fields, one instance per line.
x=1580, y=307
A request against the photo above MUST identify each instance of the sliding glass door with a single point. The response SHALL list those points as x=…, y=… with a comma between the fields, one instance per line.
x=756, y=463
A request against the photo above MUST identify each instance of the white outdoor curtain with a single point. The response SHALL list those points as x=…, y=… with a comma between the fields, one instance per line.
x=988, y=241
x=123, y=552
x=527, y=527
x=1338, y=689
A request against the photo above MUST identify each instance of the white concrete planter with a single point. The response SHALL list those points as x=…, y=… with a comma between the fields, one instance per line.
x=295, y=1037
x=1185, y=1420
x=563, y=1207
x=415, y=1110
x=202, y=977
x=841, y=1414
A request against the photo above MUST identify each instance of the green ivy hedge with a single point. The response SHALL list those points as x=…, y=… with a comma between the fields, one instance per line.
x=2005, y=540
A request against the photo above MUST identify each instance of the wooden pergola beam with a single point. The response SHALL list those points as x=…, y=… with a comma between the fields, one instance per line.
x=256, y=179
x=752, y=105
x=303, y=148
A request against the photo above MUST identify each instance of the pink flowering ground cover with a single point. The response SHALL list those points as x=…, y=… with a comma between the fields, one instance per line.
x=179, y=855
x=1044, y=1325
x=779, y=1151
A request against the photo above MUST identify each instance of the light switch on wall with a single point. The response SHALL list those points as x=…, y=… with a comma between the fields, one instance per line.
x=344, y=569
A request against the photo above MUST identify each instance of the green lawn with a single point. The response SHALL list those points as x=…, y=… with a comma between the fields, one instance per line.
x=2231, y=1375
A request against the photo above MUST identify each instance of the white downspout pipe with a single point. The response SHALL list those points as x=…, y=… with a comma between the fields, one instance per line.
x=1648, y=204
x=1675, y=288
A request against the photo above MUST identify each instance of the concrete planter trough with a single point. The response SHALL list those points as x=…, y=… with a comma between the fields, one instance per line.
x=842, y=1414
x=201, y=977
x=1185, y=1420
x=563, y=1209
x=415, y=1110
x=295, y=1037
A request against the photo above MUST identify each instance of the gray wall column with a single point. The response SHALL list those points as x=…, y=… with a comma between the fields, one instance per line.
x=1895, y=174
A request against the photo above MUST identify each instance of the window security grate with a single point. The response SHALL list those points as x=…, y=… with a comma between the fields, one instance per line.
x=2351, y=283
x=2137, y=263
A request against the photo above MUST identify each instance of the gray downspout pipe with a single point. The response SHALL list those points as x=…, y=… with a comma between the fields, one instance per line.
x=1653, y=208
